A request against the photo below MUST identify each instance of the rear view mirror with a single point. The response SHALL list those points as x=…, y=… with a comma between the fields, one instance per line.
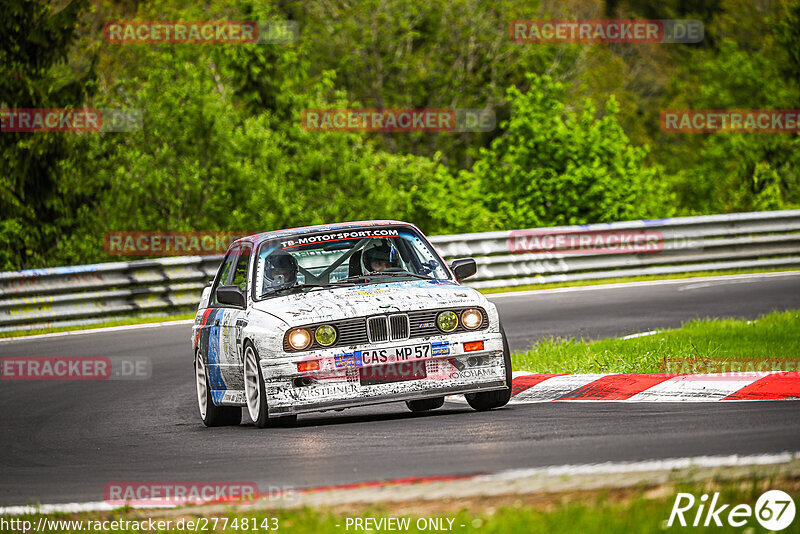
x=464, y=268
x=231, y=296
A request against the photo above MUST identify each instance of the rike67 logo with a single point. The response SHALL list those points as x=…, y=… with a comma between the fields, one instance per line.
x=774, y=511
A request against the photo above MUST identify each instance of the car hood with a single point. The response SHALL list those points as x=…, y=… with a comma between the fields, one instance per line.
x=363, y=300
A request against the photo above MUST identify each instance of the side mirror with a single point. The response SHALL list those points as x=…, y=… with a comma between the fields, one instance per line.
x=231, y=296
x=464, y=268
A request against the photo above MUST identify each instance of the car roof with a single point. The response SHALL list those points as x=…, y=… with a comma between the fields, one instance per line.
x=256, y=239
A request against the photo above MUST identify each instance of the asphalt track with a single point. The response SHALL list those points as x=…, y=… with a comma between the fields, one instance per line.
x=64, y=441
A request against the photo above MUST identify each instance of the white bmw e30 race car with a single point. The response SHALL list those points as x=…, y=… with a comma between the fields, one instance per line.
x=336, y=316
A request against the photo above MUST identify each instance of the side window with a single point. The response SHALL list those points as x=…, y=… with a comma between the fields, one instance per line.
x=225, y=271
x=242, y=265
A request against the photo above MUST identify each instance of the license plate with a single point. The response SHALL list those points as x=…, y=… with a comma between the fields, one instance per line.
x=395, y=354
x=393, y=372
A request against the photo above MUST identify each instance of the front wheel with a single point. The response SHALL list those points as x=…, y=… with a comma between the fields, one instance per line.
x=256, y=395
x=210, y=413
x=494, y=399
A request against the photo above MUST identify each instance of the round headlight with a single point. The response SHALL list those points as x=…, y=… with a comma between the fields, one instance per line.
x=299, y=338
x=326, y=335
x=447, y=321
x=471, y=319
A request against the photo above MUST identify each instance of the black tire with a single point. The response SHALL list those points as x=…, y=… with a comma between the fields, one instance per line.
x=494, y=399
x=424, y=405
x=211, y=414
x=257, y=406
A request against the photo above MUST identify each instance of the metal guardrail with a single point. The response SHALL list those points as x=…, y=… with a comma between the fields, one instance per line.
x=85, y=294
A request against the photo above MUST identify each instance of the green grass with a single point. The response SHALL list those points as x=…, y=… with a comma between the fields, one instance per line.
x=603, y=281
x=772, y=337
x=105, y=324
x=606, y=511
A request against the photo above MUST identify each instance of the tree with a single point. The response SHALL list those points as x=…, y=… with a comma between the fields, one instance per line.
x=33, y=51
x=553, y=166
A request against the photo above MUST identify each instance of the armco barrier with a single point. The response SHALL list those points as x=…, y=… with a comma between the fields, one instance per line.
x=85, y=294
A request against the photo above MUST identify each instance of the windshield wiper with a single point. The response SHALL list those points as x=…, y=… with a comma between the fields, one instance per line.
x=299, y=287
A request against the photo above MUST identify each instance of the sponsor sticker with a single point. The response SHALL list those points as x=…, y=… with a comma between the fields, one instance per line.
x=440, y=348
x=345, y=360
x=337, y=236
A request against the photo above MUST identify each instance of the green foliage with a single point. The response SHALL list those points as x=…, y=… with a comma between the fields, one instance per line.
x=33, y=50
x=222, y=148
x=754, y=67
x=554, y=166
x=201, y=162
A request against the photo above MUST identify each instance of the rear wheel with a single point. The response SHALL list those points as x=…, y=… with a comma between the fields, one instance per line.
x=210, y=413
x=423, y=405
x=494, y=399
x=255, y=393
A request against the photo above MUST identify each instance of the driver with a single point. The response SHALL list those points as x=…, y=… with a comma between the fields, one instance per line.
x=280, y=269
x=379, y=256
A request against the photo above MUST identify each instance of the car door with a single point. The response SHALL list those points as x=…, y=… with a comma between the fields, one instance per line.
x=232, y=322
x=209, y=332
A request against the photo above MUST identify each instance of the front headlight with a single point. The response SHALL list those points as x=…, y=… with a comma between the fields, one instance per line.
x=471, y=319
x=299, y=338
x=447, y=321
x=326, y=335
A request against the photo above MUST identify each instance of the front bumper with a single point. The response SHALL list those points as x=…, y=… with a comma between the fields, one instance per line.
x=449, y=370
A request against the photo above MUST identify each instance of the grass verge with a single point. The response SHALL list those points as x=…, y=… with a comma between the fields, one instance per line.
x=769, y=338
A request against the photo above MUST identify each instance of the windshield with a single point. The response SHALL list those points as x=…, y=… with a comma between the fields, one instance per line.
x=356, y=256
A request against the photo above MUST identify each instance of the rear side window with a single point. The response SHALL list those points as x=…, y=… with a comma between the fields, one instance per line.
x=240, y=272
x=224, y=274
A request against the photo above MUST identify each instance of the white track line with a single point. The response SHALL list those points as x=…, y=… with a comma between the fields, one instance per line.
x=621, y=285
x=98, y=330
x=668, y=464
